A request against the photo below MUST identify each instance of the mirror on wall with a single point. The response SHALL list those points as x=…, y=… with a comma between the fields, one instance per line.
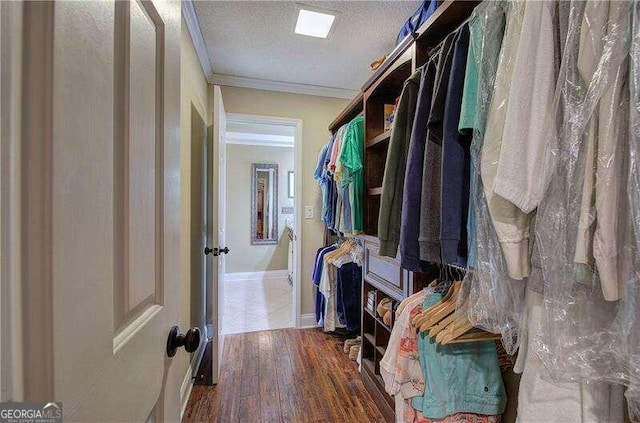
x=264, y=203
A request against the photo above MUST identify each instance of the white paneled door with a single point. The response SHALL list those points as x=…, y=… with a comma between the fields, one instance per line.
x=101, y=207
x=217, y=230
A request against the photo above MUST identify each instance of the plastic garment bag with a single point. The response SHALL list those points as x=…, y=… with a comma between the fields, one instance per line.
x=495, y=300
x=632, y=301
x=585, y=237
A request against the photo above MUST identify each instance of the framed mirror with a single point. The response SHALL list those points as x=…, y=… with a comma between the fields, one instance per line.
x=264, y=203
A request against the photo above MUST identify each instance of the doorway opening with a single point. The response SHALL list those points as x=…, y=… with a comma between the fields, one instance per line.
x=260, y=290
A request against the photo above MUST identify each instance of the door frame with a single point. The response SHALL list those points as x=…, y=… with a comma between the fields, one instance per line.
x=11, y=334
x=32, y=203
x=297, y=199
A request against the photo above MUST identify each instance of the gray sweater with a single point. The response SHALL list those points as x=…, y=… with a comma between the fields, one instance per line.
x=394, y=171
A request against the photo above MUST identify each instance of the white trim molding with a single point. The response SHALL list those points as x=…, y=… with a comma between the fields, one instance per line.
x=190, y=17
x=249, y=276
x=297, y=236
x=297, y=200
x=308, y=321
x=243, y=138
x=287, y=87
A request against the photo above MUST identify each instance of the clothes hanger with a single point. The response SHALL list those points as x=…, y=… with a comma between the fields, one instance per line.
x=454, y=330
x=441, y=278
x=445, y=309
x=343, y=249
x=446, y=323
x=410, y=299
x=438, y=311
x=418, y=319
x=440, y=326
x=475, y=337
x=457, y=331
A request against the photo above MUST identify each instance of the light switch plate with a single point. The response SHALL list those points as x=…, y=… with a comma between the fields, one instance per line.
x=308, y=212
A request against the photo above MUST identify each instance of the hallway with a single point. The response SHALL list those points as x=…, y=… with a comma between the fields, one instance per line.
x=256, y=304
x=284, y=376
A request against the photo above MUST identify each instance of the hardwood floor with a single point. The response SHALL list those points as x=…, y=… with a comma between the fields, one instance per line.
x=284, y=375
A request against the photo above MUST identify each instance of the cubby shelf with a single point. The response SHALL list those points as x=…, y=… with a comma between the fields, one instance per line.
x=378, y=320
x=385, y=136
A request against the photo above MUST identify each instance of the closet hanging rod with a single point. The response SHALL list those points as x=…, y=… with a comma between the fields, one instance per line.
x=456, y=266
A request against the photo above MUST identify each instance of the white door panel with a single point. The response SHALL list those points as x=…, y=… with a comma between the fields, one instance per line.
x=217, y=232
x=115, y=207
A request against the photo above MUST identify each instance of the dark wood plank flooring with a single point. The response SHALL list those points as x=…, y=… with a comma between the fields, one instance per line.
x=284, y=375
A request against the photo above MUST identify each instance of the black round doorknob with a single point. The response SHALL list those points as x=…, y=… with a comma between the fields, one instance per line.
x=207, y=251
x=225, y=250
x=190, y=340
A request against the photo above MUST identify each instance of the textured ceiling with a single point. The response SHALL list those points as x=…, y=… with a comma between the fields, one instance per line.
x=255, y=39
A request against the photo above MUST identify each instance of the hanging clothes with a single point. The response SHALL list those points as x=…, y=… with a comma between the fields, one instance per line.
x=486, y=31
x=338, y=277
x=390, y=214
x=350, y=165
x=318, y=269
x=495, y=299
x=411, y=199
x=403, y=374
x=431, y=180
x=452, y=383
x=339, y=172
x=454, y=203
x=510, y=225
x=542, y=400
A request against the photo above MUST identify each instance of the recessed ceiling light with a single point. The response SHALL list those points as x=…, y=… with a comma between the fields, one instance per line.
x=314, y=23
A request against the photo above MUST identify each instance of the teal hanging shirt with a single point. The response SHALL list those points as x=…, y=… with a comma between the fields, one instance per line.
x=458, y=378
x=351, y=157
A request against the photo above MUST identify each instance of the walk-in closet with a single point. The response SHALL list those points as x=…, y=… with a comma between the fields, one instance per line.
x=484, y=189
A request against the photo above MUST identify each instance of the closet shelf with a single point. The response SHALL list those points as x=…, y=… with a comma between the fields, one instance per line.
x=353, y=109
x=380, y=138
x=381, y=350
x=447, y=16
x=375, y=191
x=378, y=320
x=400, y=55
x=369, y=338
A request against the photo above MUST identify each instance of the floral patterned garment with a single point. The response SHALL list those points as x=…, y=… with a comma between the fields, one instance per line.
x=414, y=416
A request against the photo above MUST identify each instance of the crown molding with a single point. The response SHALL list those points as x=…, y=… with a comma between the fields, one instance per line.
x=190, y=17
x=193, y=26
x=287, y=87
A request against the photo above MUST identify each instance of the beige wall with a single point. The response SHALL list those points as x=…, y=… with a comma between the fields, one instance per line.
x=245, y=257
x=316, y=114
x=193, y=90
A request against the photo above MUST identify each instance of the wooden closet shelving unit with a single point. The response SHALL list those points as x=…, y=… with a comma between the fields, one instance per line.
x=383, y=274
x=353, y=109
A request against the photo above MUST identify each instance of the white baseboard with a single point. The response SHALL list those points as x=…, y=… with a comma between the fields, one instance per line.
x=308, y=321
x=247, y=276
x=187, y=382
